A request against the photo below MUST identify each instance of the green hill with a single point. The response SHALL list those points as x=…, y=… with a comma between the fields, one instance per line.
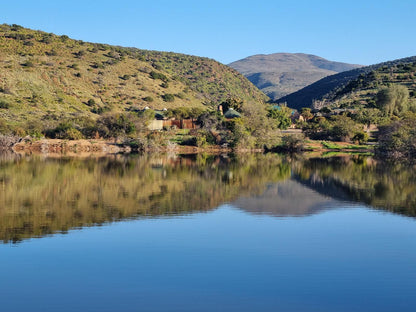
x=363, y=90
x=280, y=74
x=322, y=92
x=45, y=77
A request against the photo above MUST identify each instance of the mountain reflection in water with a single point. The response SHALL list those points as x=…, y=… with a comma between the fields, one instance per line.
x=42, y=196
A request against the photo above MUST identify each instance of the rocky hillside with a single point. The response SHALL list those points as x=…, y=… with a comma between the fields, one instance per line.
x=45, y=76
x=280, y=74
x=326, y=90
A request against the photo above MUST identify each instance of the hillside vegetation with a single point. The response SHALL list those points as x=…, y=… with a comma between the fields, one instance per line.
x=366, y=90
x=280, y=74
x=322, y=92
x=45, y=78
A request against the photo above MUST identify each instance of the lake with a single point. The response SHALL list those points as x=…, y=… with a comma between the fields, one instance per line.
x=206, y=233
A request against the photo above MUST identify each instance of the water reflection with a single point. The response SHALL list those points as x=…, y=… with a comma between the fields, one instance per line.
x=42, y=196
x=288, y=198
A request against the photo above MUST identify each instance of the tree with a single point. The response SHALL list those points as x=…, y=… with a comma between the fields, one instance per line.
x=343, y=128
x=398, y=139
x=393, y=100
x=306, y=113
x=281, y=116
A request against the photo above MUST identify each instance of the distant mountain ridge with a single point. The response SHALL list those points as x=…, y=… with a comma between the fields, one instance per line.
x=280, y=74
x=328, y=86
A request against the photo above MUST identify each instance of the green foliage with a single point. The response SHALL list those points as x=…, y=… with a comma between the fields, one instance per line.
x=185, y=112
x=147, y=114
x=370, y=116
x=115, y=125
x=306, y=113
x=168, y=97
x=393, y=100
x=343, y=128
x=65, y=130
x=148, y=99
x=281, y=117
x=293, y=143
x=338, y=128
x=5, y=104
x=360, y=137
x=347, y=85
x=156, y=75
x=398, y=139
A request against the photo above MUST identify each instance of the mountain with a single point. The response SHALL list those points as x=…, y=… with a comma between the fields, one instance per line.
x=287, y=198
x=55, y=77
x=327, y=88
x=280, y=74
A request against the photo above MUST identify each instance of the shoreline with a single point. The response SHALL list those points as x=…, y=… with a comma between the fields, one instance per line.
x=86, y=148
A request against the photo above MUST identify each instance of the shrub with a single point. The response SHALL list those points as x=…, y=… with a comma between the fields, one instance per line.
x=115, y=125
x=4, y=104
x=393, y=100
x=125, y=77
x=281, y=117
x=148, y=99
x=71, y=134
x=156, y=75
x=293, y=143
x=397, y=140
x=360, y=137
x=28, y=63
x=168, y=97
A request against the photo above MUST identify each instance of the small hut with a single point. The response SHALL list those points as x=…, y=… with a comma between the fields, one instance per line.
x=231, y=114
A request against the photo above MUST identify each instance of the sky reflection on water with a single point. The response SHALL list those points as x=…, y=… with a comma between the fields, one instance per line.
x=351, y=259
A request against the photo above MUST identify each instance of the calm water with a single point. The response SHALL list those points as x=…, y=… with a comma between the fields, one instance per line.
x=200, y=233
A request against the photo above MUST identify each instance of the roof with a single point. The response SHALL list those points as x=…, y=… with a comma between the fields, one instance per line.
x=231, y=113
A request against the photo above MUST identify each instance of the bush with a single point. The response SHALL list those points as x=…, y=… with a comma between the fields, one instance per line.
x=293, y=143
x=156, y=75
x=281, y=117
x=71, y=134
x=28, y=63
x=360, y=137
x=4, y=104
x=338, y=128
x=398, y=139
x=343, y=128
x=125, y=77
x=115, y=125
x=168, y=97
x=66, y=131
x=148, y=99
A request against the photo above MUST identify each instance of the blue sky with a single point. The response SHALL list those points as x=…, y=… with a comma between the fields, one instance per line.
x=361, y=32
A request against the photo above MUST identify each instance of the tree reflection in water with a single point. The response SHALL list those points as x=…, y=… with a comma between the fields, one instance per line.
x=42, y=196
